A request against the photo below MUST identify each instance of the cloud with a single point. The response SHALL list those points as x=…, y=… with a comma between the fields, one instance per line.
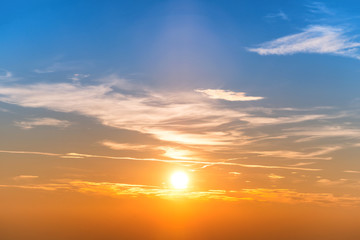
x=255, y=120
x=351, y=171
x=129, y=190
x=328, y=182
x=171, y=152
x=7, y=76
x=61, y=66
x=227, y=95
x=25, y=177
x=319, y=8
x=112, y=189
x=177, y=153
x=280, y=14
x=4, y=74
x=292, y=197
x=275, y=177
x=314, y=39
x=184, y=118
x=332, y=131
x=301, y=164
x=181, y=161
x=36, y=122
x=191, y=161
x=125, y=146
x=78, y=76
x=177, y=117
x=300, y=155
x=30, y=152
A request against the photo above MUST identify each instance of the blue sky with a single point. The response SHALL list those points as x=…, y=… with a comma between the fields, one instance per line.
x=208, y=42
x=215, y=87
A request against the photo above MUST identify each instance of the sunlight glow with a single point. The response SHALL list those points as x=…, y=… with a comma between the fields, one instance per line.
x=179, y=180
x=176, y=153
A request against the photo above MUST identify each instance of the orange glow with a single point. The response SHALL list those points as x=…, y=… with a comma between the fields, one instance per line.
x=179, y=180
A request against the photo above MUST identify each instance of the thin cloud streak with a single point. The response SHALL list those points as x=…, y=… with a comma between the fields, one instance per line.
x=36, y=122
x=319, y=8
x=26, y=177
x=319, y=39
x=300, y=155
x=227, y=95
x=280, y=14
x=195, y=162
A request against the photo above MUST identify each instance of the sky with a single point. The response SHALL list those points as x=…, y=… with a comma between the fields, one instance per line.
x=257, y=102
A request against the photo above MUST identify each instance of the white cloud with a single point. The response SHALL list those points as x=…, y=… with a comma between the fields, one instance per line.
x=35, y=122
x=188, y=116
x=314, y=39
x=227, y=95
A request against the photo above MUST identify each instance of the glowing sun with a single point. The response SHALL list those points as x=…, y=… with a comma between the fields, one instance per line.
x=179, y=180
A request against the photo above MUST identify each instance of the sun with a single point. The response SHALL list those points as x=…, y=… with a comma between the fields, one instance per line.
x=179, y=180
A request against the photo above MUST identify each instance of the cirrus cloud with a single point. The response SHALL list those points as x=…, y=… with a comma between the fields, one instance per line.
x=321, y=39
x=227, y=95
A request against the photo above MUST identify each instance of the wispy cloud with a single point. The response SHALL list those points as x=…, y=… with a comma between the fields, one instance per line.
x=318, y=154
x=351, y=171
x=195, y=162
x=319, y=8
x=78, y=76
x=332, y=131
x=314, y=39
x=328, y=182
x=7, y=76
x=60, y=66
x=171, y=152
x=292, y=197
x=125, y=146
x=280, y=14
x=25, y=177
x=29, y=152
x=181, y=161
x=185, y=122
x=149, y=112
x=111, y=189
x=125, y=190
x=227, y=95
x=4, y=74
x=275, y=177
x=36, y=122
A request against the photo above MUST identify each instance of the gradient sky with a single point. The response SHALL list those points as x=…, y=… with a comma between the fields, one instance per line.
x=257, y=101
